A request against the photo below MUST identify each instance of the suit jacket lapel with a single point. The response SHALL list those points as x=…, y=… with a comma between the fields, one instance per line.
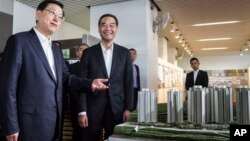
x=56, y=57
x=192, y=78
x=100, y=59
x=198, y=76
x=39, y=50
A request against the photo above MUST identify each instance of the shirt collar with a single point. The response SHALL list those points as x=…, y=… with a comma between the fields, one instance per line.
x=41, y=37
x=196, y=70
x=104, y=49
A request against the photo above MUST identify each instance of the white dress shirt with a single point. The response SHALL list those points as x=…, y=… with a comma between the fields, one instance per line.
x=47, y=48
x=135, y=84
x=195, y=74
x=108, y=55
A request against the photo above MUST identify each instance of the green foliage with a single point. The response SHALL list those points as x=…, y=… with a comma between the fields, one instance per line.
x=169, y=134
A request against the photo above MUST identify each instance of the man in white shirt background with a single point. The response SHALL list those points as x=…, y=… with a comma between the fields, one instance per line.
x=136, y=76
x=197, y=76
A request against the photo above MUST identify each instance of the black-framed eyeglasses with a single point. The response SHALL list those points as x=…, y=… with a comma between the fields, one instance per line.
x=61, y=17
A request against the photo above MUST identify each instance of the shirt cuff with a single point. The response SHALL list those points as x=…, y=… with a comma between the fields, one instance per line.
x=82, y=113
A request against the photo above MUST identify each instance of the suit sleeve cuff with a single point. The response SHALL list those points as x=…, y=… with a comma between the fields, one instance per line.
x=82, y=113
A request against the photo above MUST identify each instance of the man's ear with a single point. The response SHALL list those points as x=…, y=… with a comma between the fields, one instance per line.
x=38, y=14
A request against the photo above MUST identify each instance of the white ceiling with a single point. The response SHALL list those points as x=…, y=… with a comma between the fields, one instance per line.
x=188, y=12
x=184, y=13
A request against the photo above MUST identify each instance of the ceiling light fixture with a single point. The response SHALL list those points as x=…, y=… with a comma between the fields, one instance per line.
x=216, y=23
x=174, y=27
x=241, y=52
x=183, y=44
x=248, y=43
x=214, y=39
x=178, y=35
x=191, y=53
x=214, y=48
x=186, y=47
x=245, y=47
x=181, y=40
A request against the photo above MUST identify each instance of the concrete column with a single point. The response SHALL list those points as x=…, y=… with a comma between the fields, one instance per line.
x=172, y=52
x=248, y=76
x=6, y=21
x=163, y=48
x=135, y=31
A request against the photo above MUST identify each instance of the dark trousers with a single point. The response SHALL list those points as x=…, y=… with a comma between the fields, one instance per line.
x=95, y=129
x=78, y=132
x=108, y=122
x=135, y=98
x=2, y=138
x=74, y=122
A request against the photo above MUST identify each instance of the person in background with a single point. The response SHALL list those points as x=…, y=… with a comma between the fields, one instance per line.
x=136, y=76
x=106, y=109
x=31, y=81
x=65, y=107
x=197, y=76
x=60, y=46
x=58, y=43
x=75, y=68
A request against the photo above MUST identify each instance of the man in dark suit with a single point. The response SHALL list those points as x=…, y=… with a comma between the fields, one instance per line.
x=107, y=108
x=32, y=79
x=75, y=68
x=197, y=76
x=136, y=76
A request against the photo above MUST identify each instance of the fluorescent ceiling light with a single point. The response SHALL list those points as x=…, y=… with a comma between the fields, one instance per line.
x=214, y=48
x=216, y=23
x=214, y=39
